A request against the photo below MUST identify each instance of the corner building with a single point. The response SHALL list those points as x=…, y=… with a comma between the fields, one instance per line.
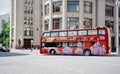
x=25, y=26
x=76, y=14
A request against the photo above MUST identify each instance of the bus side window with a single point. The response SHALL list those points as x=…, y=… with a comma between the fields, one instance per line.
x=46, y=34
x=64, y=44
x=72, y=44
x=102, y=32
x=59, y=44
x=48, y=44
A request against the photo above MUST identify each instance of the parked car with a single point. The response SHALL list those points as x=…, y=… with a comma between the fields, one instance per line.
x=4, y=49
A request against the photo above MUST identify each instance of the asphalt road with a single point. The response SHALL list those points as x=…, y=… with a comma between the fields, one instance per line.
x=27, y=62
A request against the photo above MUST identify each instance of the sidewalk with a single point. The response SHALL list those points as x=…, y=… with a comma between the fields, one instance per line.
x=37, y=51
x=25, y=50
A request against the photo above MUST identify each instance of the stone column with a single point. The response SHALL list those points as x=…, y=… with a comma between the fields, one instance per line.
x=43, y=21
x=81, y=13
x=50, y=15
x=100, y=10
x=64, y=15
x=94, y=12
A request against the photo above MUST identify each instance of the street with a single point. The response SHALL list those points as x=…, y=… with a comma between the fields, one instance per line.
x=27, y=62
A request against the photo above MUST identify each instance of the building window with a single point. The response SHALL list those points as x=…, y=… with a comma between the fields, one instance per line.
x=31, y=31
x=110, y=25
x=47, y=9
x=31, y=2
x=57, y=6
x=72, y=22
x=31, y=10
x=25, y=31
x=46, y=24
x=25, y=1
x=31, y=21
x=87, y=23
x=87, y=7
x=25, y=9
x=25, y=20
x=28, y=31
x=73, y=6
x=28, y=9
x=109, y=11
x=28, y=20
x=28, y=2
x=57, y=23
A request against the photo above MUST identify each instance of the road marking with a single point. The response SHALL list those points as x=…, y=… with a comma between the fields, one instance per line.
x=104, y=63
x=95, y=61
x=70, y=69
x=117, y=65
x=44, y=64
x=60, y=67
x=52, y=65
x=81, y=71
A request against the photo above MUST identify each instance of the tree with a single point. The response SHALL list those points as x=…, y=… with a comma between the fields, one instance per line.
x=4, y=36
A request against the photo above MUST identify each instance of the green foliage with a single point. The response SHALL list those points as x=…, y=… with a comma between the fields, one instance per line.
x=4, y=36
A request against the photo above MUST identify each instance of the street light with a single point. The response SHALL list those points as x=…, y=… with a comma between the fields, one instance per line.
x=117, y=3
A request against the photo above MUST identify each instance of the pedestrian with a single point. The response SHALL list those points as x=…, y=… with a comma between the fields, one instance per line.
x=31, y=48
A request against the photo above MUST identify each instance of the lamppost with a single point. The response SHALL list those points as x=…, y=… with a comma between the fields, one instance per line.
x=117, y=3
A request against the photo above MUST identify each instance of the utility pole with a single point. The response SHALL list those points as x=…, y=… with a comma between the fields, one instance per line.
x=117, y=26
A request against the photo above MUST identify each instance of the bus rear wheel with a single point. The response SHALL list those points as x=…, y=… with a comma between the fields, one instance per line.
x=87, y=52
x=52, y=52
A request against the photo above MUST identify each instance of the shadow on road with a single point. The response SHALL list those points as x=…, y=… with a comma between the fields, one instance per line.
x=11, y=54
x=84, y=56
x=108, y=56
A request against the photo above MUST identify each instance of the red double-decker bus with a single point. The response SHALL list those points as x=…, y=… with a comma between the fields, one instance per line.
x=80, y=42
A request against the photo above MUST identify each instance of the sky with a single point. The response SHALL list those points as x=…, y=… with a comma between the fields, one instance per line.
x=5, y=6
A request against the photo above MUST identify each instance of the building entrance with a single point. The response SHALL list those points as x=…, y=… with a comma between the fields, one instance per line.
x=27, y=43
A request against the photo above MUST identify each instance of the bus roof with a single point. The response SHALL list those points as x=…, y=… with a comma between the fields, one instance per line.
x=99, y=27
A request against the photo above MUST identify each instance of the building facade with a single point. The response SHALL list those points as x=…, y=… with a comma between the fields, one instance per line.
x=25, y=23
x=74, y=14
x=3, y=18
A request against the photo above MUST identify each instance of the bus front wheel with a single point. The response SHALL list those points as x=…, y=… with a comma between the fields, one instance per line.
x=87, y=52
x=52, y=52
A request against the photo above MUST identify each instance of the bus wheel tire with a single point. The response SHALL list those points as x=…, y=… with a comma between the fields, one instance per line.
x=87, y=52
x=52, y=52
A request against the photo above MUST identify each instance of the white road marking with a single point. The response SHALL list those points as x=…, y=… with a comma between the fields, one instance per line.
x=95, y=61
x=60, y=67
x=69, y=69
x=104, y=63
x=52, y=65
x=44, y=64
x=81, y=71
x=117, y=65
